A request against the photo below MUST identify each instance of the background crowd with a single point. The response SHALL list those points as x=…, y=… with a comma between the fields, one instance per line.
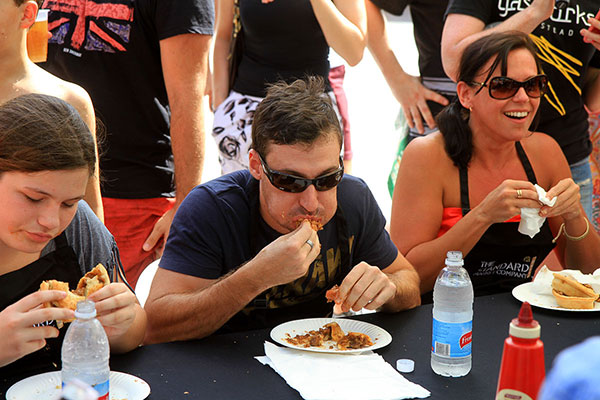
x=132, y=80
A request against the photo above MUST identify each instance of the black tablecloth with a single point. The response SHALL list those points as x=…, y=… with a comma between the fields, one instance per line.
x=223, y=366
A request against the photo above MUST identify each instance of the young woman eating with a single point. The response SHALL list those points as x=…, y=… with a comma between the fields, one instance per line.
x=47, y=156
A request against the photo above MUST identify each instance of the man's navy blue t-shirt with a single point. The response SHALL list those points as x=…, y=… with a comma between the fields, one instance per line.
x=210, y=236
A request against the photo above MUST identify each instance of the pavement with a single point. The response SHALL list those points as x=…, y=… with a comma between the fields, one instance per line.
x=373, y=110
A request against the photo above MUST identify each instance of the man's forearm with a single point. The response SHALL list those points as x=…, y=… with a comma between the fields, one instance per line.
x=187, y=131
x=378, y=44
x=407, y=291
x=194, y=315
x=184, y=60
x=343, y=26
x=455, y=41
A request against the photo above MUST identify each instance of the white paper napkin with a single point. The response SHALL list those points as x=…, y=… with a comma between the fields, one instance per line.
x=542, y=284
x=531, y=222
x=320, y=376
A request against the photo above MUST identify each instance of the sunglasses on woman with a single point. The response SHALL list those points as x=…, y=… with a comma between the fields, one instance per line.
x=502, y=87
x=295, y=184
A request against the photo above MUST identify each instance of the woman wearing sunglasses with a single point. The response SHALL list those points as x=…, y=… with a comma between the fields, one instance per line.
x=464, y=187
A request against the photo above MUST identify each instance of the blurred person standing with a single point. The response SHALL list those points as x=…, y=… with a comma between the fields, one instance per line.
x=19, y=76
x=421, y=98
x=144, y=64
x=568, y=51
x=280, y=40
x=575, y=373
x=337, y=73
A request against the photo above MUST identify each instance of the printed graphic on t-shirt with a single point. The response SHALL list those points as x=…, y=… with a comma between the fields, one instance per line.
x=563, y=62
x=507, y=268
x=321, y=275
x=90, y=25
x=46, y=323
x=564, y=23
x=572, y=14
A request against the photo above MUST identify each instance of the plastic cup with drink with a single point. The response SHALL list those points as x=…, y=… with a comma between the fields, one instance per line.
x=37, y=38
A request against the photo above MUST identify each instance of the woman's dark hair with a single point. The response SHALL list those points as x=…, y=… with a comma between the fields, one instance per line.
x=43, y=133
x=453, y=121
x=299, y=112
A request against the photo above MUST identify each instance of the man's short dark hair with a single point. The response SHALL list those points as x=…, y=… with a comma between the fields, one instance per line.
x=299, y=112
x=19, y=2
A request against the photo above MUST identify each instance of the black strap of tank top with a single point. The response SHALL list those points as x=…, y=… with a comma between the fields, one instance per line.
x=526, y=164
x=465, y=204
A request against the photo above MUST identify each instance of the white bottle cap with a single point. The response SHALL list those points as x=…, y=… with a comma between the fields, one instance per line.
x=455, y=259
x=86, y=309
x=42, y=15
x=405, y=365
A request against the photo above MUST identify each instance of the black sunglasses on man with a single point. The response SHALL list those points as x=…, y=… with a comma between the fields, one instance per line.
x=295, y=184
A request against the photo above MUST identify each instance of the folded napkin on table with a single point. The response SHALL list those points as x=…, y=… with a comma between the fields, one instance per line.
x=340, y=376
x=531, y=222
x=542, y=284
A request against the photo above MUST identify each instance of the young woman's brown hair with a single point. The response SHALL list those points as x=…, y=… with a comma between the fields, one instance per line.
x=43, y=133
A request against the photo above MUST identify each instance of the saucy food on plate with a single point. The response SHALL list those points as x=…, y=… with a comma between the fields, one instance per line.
x=331, y=335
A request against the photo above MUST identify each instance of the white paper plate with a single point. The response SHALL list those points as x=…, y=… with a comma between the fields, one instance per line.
x=524, y=292
x=47, y=387
x=380, y=337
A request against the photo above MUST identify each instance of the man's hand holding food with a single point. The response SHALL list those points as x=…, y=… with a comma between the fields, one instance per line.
x=288, y=257
x=366, y=286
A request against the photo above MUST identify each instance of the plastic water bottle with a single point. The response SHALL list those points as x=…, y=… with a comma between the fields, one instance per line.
x=85, y=351
x=452, y=319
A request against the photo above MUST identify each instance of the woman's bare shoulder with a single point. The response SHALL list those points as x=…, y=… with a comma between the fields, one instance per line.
x=546, y=157
x=429, y=150
x=430, y=145
x=541, y=143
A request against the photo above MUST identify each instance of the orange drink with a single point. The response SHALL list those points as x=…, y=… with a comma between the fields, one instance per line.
x=37, y=38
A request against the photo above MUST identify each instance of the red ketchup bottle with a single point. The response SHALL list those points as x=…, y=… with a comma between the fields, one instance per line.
x=522, y=370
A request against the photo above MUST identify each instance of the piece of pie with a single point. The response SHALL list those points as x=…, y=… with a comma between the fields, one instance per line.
x=91, y=282
x=569, y=293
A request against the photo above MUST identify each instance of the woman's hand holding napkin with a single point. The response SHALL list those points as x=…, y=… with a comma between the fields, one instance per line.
x=531, y=222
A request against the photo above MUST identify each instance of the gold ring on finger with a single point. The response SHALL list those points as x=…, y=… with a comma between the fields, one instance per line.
x=519, y=193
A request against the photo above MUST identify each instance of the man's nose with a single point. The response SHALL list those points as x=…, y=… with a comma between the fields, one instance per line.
x=309, y=199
